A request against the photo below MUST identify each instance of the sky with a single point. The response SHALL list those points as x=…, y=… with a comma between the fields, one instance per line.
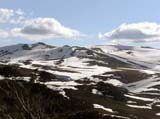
x=80, y=22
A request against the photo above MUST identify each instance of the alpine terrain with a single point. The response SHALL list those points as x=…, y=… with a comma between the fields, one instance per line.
x=40, y=81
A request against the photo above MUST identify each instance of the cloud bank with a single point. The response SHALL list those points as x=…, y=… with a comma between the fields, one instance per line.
x=45, y=28
x=136, y=32
x=34, y=29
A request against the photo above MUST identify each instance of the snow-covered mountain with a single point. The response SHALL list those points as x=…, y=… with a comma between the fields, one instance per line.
x=137, y=69
x=78, y=62
x=146, y=56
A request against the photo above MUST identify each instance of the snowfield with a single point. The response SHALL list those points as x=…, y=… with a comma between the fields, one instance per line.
x=144, y=56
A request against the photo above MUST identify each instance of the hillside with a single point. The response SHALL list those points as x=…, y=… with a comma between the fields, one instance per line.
x=99, y=82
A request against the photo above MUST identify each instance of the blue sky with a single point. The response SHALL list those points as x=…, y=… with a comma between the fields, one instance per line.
x=89, y=17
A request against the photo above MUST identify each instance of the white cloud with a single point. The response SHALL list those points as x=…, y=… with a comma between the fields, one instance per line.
x=11, y=16
x=136, y=32
x=40, y=29
x=5, y=15
x=45, y=28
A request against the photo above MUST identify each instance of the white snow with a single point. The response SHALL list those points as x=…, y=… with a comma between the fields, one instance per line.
x=1, y=77
x=139, y=98
x=95, y=91
x=61, y=87
x=80, y=68
x=62, y=92
x=148, y=71
x=148, y=57
x=114, y=82
x=62, y=83
x=131, y=102
x=143, y=85
x=158, y=114
x=140, y=107
x=26, y=79
x=56, y=85
x=97, y=106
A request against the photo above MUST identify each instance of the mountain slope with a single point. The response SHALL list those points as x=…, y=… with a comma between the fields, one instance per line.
x=144, y=56
x=115, y=80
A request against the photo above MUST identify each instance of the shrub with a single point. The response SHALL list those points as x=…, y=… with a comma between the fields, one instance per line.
x=8, y=70
x=108, y=89
x=45, y=76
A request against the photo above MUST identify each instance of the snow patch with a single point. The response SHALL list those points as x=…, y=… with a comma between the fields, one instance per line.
x=97, y=106
x=62, y=92
x=95, y=91
x=114, y=82
x=158, y=114
x=140, y=107
x=139, y=98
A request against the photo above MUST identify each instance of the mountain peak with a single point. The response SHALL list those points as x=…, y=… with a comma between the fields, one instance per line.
x=41, y=45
